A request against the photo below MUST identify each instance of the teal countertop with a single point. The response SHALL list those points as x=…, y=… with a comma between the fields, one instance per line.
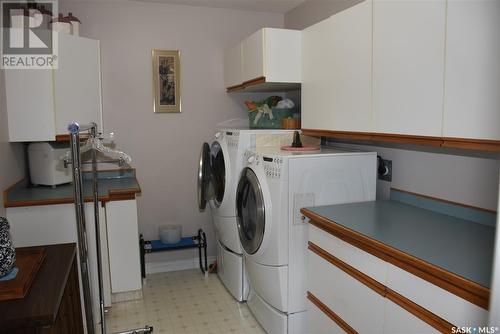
x=112, y=185
x=459, y=246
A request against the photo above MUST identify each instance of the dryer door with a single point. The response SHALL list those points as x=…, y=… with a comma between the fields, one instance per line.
x=204, y=175
x=218, y=172
x=250, y=211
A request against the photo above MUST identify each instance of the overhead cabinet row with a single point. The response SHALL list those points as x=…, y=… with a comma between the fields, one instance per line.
x=426, y=68
x=41, y=103
x=266, y=60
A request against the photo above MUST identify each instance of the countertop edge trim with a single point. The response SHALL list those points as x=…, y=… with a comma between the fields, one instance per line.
x=113, y=195
x=453, y=283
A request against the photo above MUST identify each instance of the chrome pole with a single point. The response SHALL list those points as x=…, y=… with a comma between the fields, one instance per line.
x=95, y=191
x=74, y=129
x=80, y=224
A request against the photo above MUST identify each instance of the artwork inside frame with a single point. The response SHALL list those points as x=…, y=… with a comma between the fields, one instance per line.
x=166, y=81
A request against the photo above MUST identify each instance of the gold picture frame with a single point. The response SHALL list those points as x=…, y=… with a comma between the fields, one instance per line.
x=166, y=81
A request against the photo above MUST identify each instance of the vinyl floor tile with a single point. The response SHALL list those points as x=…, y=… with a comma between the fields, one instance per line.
x=184, y=302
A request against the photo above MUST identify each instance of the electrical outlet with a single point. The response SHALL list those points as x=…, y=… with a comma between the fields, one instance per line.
x=387, y=176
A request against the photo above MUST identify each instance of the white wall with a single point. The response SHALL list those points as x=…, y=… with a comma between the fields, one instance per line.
x=165, y=147
x=462, y=177
x=11, y=155
x=313, y=11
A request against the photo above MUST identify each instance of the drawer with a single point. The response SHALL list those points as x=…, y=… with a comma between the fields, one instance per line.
x=353, y=256
x=398, y=320
x=355, y=303
x=442, y=303
x=319, y=323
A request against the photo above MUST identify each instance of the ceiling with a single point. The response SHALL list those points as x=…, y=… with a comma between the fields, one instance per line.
x=272, y=6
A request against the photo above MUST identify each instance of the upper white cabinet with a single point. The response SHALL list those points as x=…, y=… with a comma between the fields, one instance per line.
x=77, y=82
x=41, y=103
x=269, y=56
x=336, y=71
x=408, y=66
x=472, y=76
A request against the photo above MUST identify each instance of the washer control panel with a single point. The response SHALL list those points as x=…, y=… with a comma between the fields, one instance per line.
x=272, y=166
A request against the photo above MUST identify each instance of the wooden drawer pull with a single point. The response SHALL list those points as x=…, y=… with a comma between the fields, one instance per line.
x=332, y=315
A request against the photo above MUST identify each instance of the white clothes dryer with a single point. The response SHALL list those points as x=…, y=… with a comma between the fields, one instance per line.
x=273, y=187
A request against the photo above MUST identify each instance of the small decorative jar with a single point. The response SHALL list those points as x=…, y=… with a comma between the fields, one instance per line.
x=61, y=24
x=7, y=251
x=75, y=24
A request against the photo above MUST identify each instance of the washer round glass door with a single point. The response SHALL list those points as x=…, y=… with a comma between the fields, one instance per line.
x=250, y=211
x=204, y=176
x=218, y=172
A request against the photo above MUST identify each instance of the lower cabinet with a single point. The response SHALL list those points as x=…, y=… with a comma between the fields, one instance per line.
x=397, y=320
x=359, y=306
x=319, y=322
x=123, y=246
x=55, y=224
x=352, y=291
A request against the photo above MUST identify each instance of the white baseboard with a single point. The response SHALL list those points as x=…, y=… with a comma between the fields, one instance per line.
x=126, y=296
x=163, y=267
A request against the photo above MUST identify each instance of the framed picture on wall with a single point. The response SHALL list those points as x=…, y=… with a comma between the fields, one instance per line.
x=166, y=81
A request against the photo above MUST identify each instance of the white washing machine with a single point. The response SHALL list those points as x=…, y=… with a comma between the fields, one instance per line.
x=272, y=189
x=220, y=164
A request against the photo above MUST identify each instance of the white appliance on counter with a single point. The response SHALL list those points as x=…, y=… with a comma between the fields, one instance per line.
x=220, y=165
x=272, y=189
x=46, y=163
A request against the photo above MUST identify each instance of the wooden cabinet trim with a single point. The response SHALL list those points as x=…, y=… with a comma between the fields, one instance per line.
x=330, y=314
x=428, y=317
x=460, y=143
x=66, y=137
x=455, y=284
x=246, y=84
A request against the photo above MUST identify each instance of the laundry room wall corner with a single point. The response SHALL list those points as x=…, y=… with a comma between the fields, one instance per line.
x=165, y=147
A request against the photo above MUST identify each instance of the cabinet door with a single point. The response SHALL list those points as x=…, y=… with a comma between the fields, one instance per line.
x=253, y=56
x=282, y=55
x=397, y=320
x=77, y=82
x=232, y=66
x=319, y=323
x=30, y=105
x=472, y=77
x=408, y=66
x=123, y=246
x=448, y=306
x=336, y=71
x=355, y=303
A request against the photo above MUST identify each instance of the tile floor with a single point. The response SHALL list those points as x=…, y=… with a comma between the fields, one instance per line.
x=184, y=302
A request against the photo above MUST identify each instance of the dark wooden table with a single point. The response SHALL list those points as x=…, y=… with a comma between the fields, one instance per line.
x=53, y=303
